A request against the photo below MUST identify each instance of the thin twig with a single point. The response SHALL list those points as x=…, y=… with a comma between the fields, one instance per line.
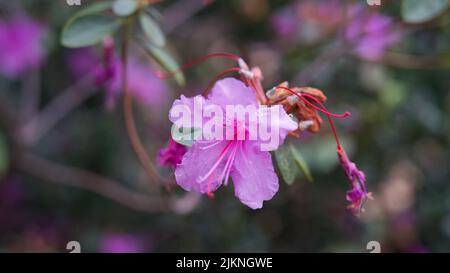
x=30, y=95
x=130, y=123
x=74, y=177
x=57, y=109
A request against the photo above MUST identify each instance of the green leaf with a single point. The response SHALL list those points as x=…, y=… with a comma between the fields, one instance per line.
x=124, y=7
x=165, y=60
x=91, y=9
x=185, y=136
x=4, y=154
x=152, y=30
x=420, y=11
x=286, y=165
x=88, y=30
x=298, y=158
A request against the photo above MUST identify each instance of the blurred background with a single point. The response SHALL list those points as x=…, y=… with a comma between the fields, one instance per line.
x=68, y=173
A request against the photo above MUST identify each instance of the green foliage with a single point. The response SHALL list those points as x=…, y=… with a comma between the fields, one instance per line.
x=290, y=164
x=185, y=136
x=124, y=7
x=165, y=60
x=151, y=29
x=301, y=163
x=88, y=30
x=88, y=26
x=420, y=11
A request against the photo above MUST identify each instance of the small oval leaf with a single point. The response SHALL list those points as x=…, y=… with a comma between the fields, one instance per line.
x=94, y=8
x=301, y=163
x=185, y=136
x=420, y=11
x=124, y=7
x=165, y=60
x=152, y=30
x=286, y=165
x=88, y=30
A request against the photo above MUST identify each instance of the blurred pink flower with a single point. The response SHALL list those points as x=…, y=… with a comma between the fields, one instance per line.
x=307, y=20
x=172, y=155
x=285, y=23
x=143, y=84
x=358, y=194
x=370, y=32
x=121, y=243
x=209, y=164
x=21, y=46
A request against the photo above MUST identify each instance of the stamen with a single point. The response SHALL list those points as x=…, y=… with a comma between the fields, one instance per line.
x=210, y=145
x=208, y=190
x=218, y=161
x=165, y=75
x=226, y=171
x=323, y=110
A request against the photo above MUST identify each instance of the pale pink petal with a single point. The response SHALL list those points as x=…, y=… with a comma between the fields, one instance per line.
x=254, y=177
x=230, y=91
x=196, y=163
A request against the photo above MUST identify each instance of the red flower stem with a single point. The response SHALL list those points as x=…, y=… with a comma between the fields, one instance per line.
x=322, y=109
x=130, y=123
x=165, y=75
x=217, y=77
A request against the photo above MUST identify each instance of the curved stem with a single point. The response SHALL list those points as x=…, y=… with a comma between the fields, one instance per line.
x=130, y=124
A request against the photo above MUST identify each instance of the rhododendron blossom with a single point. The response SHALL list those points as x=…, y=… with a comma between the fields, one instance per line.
x=216, y=155
x=172, y=155
x=209, y=164
x=21, y=46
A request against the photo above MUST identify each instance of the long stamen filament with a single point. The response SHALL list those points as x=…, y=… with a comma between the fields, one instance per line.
x=303, y=97
x=323, y=110
x=217, y=77
x=226, y=171
x=216, y=164
x=165, y=75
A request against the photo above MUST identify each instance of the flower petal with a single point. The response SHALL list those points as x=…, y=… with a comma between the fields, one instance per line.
x=276, y=123
x=188, y=106
x=196, y=163
x=230, y=91
x=254, y=177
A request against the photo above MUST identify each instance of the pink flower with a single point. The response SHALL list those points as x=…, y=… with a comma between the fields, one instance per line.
x=172, y=155
x=209, y=164
x=285, y=23
x=358, y=194
x=21, y=46
x=371, y=33
x=142, y=82
x=121, y=243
